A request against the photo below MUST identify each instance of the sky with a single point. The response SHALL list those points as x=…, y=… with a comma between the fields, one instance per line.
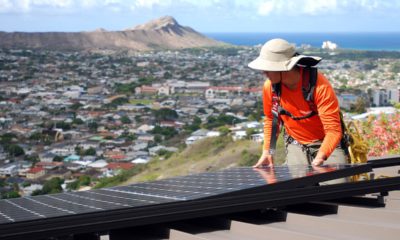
x=206, y=16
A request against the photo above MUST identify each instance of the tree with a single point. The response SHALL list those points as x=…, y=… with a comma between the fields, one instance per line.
x=73, y=185
x=359, y=106
x=78, y=121
x=250, y=131
x=63, y=125
x=36, y=136
x=93, y=126
x=85, y=180
x=14, y=150
x=126, y=120
x=58, y=158
x=224, y=130
x=11, y=194
x=90, y=152
x=32, y=158
x=75, y=106
x=7, y=138
x=165, y=114
x=52, y=186
x=167, y=132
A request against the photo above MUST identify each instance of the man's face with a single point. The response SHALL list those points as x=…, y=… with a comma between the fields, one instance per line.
x=274, y=77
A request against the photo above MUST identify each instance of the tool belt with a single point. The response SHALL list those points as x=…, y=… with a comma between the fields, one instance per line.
x=310, y=149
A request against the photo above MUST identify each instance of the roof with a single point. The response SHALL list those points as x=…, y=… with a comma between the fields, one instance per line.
x=125, y=166
x=35, y=170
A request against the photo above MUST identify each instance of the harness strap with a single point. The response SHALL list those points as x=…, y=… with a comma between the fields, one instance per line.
x=309, y=79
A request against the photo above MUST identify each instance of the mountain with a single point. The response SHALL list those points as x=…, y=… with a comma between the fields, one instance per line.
x=162, y=33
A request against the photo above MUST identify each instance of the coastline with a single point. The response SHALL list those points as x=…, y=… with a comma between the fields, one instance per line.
x=374, y=41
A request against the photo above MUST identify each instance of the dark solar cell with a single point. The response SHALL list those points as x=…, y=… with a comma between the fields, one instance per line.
x=17, y=212
x=191, y=187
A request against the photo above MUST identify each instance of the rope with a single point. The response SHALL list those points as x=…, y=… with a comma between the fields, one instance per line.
x=358, y=148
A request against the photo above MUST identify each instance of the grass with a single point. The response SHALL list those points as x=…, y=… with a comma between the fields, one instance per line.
x=209, y=154
x=206, y=155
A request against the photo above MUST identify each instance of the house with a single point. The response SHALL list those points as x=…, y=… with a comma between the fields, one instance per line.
x=141, y=160
x=201, y=134
x=73, y=166
x=23, y=167
x=72, y=158
x=63, y=149
x=27, y=191
x=154, y=150
x=99, y=164
x=383, y=97
x=9, y=170
x=146, y=137
x=237, y=135
x=89, y=144
x=35, y=173
x=49, y=165
x=374, y=111
x=146, y=90
x=347, y=100
x=257, y=137
x=62, y=173
x=47, y=157
x=113, y=166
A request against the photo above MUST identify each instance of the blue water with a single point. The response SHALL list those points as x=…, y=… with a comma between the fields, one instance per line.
x=358, y=41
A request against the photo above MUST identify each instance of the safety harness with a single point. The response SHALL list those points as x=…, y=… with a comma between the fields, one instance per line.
x=309, y=80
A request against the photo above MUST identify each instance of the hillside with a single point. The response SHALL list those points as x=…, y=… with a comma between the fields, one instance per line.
x=206, y=155
x=162, y=33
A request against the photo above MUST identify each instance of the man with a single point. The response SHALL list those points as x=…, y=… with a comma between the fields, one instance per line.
x=312, y=135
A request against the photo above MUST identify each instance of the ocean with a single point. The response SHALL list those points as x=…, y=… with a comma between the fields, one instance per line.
x=357, y=41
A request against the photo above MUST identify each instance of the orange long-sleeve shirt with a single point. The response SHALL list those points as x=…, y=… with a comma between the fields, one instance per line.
x=325, y=126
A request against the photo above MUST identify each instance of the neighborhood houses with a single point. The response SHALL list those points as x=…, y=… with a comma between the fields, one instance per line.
x=85, y=116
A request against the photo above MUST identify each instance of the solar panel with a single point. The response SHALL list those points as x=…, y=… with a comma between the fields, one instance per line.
x=196, y=186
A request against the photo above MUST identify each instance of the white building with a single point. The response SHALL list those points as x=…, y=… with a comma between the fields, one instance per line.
x=9, y=170
x=329, y=45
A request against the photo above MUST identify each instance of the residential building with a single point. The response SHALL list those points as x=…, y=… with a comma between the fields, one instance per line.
x=35, y=173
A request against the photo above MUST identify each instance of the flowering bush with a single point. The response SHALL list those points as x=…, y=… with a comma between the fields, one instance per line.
x=382, y=134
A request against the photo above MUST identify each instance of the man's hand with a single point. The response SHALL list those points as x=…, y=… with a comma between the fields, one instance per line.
x=318, y=161
x=266, y=160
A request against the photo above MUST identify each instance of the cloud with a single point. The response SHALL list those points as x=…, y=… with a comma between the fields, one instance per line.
x=266, y=8
x=28, y=5
x=5, y=5
x=321, y=7
x=256, y=7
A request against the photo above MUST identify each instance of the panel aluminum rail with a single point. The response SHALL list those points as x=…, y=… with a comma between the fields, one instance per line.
x=113, y=219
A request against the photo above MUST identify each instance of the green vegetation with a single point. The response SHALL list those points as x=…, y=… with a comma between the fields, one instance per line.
x=129, y=88
x=11, y=194
x=117, y=102
x=14, y=150
x=141, y=101
x=209, y=154
x=81, y=181
x=165, y=114
x=221, y=120
x=51, y=186
x=194, y=126
x=65, y=126
x=167, y=132
x=125, y=88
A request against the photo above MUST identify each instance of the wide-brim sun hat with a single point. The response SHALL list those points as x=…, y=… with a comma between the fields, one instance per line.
x=279, y=55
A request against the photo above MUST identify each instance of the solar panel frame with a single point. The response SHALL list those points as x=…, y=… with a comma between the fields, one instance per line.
x=150, y=197
x=101, y=221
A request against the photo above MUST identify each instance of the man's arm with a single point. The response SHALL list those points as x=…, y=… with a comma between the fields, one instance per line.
x=328, y=112
x=266, y=158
